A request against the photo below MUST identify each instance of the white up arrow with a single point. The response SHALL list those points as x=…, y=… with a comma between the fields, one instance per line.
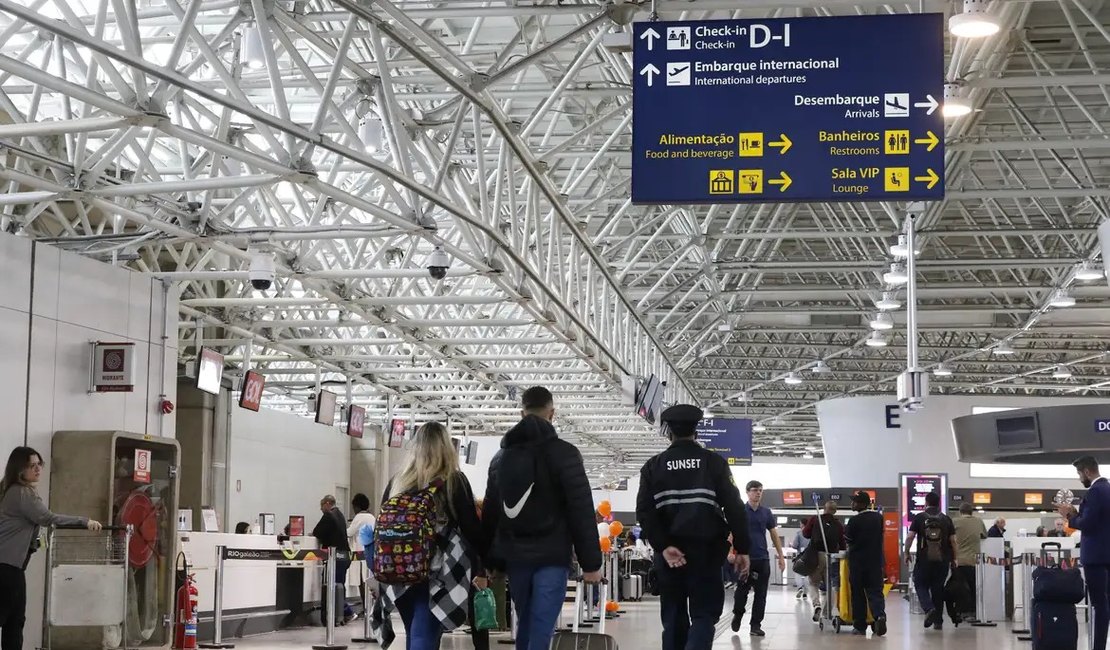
x=650, y=34
x=650, y=71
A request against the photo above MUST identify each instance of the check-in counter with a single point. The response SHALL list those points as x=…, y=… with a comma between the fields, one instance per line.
x=258, y=595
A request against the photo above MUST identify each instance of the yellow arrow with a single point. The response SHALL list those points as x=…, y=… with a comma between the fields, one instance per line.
x=785, y=143
x=784, y=182
x=932, y=179
x=932, y=141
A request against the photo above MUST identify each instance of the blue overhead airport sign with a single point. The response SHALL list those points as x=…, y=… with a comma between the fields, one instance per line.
x=730, y=438
x=794, y=109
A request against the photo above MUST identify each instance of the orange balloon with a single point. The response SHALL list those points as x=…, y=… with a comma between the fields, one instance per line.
x=615, y=528
x=606, y=544
x=611, y=606
x=605, y=508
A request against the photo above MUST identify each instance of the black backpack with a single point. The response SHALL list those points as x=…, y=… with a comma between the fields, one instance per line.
x=934, y=539
x=529, y=503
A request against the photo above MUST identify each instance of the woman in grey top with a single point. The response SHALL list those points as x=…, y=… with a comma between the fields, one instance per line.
x=22, y=512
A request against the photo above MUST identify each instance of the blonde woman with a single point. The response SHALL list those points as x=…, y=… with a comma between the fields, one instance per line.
x=22, y=512
x=462, y=543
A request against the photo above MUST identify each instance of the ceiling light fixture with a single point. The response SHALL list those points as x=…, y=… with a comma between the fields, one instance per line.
x=956, y=102
x=793, y=379
x=876, y=340
x=254, y=52
x=888, y=302
x=1003, y=349
x=1086, y=271
x=1061, y=299
x=372, y=133
x=896, y=275
x=942, y=370
x=1061, y=372
x=902, y=250
x=975, y=21
x=759, y=427
x=779, y=441
x=821, y=367
x=779, y=451
x=807, y=456
x=882, y=322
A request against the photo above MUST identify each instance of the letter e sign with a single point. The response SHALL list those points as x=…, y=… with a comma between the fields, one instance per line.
x=892, y=416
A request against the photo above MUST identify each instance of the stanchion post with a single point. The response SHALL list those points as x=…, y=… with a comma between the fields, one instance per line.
x=329, y=599
x=1027, y=560
x=218, y=600
x=367, y=607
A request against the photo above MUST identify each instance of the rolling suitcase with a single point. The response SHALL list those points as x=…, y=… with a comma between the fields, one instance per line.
x=1057, y=582
x=576, y=640
x=1054, y=627
x=632, y=587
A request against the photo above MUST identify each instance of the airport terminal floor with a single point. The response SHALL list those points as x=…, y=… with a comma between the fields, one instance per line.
x=788, y=627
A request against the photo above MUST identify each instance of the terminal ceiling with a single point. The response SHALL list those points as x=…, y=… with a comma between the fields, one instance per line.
x=157, y=134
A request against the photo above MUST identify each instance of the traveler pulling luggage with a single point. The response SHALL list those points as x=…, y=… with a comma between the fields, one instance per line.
x=1056, y=590
x=575, y=640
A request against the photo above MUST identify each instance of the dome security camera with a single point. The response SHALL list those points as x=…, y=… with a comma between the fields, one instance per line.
x=262, y=270
x=438, y=263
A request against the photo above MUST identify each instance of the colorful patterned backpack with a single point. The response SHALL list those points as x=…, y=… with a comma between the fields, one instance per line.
x=405, y=537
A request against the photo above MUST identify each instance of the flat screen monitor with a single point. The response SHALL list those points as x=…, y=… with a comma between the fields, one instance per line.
x=472, y=452
x=397, y=433
x=250, y=397
x=325, y=408
x=356, y=420
x=1019, y=432
x=210, y=371
x=647, y=404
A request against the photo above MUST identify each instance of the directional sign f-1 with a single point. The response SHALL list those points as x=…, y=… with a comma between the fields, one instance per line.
x=789, y=109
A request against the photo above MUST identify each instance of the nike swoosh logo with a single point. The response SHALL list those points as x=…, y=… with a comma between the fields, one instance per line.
x=515, y=511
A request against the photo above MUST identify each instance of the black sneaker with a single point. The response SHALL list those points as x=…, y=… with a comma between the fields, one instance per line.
x=930, y=618
x=879, y=626
x=816, y=614
x=939, y=625
x=858, y=632
x=758, y=631
x=736, y=618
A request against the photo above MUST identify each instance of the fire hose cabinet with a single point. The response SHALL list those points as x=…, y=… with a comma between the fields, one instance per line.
x=123, y=479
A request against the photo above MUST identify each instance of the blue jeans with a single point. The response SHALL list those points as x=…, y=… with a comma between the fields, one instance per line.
x=538, y=594
x=422, y=629
x=928, y=580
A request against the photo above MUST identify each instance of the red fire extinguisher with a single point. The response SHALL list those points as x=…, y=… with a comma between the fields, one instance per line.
x=185, y=626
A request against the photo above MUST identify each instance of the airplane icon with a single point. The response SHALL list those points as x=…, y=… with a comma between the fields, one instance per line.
x=896, y=105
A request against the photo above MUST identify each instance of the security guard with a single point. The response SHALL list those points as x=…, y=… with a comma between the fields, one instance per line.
x=687, y=505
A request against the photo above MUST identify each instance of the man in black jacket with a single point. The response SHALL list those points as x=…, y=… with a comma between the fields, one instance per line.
x=864, y=534
x=538, y=508
x=331, y=533
x=687, y=505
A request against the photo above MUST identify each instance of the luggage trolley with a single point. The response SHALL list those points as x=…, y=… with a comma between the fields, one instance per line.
x=86, y=582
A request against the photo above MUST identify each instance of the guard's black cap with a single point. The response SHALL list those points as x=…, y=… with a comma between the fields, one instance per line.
x=682, y=413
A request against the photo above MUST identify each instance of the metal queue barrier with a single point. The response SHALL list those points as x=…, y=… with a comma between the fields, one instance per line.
x=282, y=556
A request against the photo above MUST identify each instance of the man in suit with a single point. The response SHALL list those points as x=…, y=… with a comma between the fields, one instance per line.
x=1093, y=520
